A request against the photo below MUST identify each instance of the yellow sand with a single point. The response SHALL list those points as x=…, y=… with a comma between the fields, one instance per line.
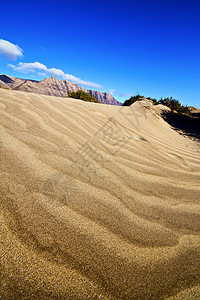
x=96, y=202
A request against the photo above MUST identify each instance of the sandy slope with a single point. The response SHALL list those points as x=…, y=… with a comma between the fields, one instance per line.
x=97, y=202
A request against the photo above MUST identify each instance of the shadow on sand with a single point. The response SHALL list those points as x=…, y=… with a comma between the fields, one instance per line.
x=183, y=124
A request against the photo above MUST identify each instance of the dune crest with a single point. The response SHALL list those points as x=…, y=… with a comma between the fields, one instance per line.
x=97, y=202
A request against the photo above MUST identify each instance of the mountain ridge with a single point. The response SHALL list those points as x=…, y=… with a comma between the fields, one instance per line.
x=54, y=87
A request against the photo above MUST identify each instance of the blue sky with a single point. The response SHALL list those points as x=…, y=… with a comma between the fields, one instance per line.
x=122, y=47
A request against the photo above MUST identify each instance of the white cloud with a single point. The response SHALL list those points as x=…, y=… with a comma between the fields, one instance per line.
x=37, y=67
x=112, y=92
x=56, y=72
x=82, y=82
x=10, y=50
x=29, y=67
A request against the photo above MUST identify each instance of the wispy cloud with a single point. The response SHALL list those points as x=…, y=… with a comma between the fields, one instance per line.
x=9, y=50
x=28, y=67
x=37, y=67
x=112, y=91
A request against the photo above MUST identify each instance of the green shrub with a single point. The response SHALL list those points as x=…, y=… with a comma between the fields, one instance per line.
x=132, y=100
x=82, y=96
x=154, y=100
x=172, y=103
x=175, y=105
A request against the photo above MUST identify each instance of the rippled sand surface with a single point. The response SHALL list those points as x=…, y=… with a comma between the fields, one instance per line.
x=96, y=202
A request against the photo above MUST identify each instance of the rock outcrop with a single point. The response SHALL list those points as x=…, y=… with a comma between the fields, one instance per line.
x=54, y=87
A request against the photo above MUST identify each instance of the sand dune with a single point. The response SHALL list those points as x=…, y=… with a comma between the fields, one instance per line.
x=97, y=202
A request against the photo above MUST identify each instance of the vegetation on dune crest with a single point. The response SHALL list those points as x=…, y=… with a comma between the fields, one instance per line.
x=136, y=98
x=132, y=100
x=172, y=103
x=82, y=96
x=175, y=105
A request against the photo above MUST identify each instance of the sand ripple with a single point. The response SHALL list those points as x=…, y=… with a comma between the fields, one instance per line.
x=97, y=202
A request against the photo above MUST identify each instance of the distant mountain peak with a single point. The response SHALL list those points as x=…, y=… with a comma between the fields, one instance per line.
x=53, y=78
x=54, y=87
x=6, y=79
x=50, y=79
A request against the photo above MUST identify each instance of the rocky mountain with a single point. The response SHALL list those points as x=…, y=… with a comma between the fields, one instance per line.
x=10, y=82
x=49, y=86
x=54, y=87
x=104, y=97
